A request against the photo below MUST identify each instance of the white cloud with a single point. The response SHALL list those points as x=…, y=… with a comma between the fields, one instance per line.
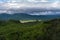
x=15, y=5
x=4, y=7
x=56, y=4
x=44, y=0
x=40, y=5
x=37, y=0
x=11, y=1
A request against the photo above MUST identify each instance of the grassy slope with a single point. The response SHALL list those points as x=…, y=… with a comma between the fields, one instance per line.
x=14, y=30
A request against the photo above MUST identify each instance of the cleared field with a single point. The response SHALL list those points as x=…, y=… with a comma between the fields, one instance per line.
x=26, y=21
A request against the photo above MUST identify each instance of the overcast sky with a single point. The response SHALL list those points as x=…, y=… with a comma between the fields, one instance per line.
x=2, y=1
x=29, y=3
x=8, y=4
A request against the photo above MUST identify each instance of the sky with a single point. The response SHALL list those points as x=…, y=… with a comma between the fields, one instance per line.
x=2, y=1
x=11, y=4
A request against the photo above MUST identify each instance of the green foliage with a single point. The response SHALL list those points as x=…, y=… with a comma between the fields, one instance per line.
x=43, y=30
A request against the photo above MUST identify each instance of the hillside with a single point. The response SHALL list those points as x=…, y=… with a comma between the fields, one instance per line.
x=25, y=16
x=44, y=30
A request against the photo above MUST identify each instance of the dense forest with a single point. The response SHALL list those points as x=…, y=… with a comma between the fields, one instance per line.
x=38, y=30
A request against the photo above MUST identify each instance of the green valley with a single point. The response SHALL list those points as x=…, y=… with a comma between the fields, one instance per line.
x=36, y=30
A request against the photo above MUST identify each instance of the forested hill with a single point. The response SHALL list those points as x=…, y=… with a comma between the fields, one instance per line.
x=38, y=30
x=24, y=16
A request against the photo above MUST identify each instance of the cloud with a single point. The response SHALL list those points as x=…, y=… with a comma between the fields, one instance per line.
x=44, y=0
x=21, y=1
x=40, y=5
x=56, y=4
x=19, y=5
x=37, y=0
x=13, y=1
x=12, y=4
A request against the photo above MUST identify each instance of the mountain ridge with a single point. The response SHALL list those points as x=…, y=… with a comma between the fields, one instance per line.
x=22, y=16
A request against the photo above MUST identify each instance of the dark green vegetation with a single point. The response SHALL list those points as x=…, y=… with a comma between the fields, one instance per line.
x=44, y=30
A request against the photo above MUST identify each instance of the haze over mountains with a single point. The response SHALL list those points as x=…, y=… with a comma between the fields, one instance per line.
x=33, y=11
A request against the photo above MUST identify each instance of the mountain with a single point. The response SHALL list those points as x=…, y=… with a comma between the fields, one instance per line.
x=24, y=16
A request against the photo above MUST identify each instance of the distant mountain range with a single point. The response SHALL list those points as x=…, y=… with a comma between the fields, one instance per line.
x=24, y=16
